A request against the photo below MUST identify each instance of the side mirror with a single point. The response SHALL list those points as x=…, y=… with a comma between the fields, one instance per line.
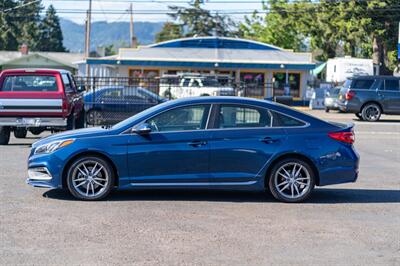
x=143, y=129
x=81, y=88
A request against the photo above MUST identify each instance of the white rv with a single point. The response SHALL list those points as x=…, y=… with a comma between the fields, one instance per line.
x=339, y=69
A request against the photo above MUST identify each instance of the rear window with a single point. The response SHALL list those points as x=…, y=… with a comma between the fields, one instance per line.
x=38, y=83
x=392, y=85
x=362, y=84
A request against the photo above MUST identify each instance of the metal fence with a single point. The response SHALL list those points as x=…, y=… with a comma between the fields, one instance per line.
x=109, y=100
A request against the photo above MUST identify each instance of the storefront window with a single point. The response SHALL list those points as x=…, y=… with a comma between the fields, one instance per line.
x=279, y=81
x=252, y=84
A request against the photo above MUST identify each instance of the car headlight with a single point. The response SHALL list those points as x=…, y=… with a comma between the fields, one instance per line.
x=53, y=146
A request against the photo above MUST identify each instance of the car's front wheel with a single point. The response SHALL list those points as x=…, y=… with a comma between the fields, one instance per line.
x=90, y=178
x=291, y=180
x=371, y=112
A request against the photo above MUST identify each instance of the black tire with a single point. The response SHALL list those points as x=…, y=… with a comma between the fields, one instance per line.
x=4, y=135
x=292, y=186
x=36, y=130
x=359, y=116
x=95, y=118
x=326, y=110
x=74, y=176
x=71, y=122
x=20, y=133
x=371, y=112
x=80, y=122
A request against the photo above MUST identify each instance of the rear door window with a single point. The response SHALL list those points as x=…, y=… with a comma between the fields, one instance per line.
x=392, y=85
x=243, y=116
x=29, y=83
x=362, y=84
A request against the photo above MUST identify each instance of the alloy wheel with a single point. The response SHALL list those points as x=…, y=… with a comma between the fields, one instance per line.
x=292, y=180
x=371, y=112
x=90, y=179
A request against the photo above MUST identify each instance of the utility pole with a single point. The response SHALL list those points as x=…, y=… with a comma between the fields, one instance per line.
x=132, y=34
x=87, y=36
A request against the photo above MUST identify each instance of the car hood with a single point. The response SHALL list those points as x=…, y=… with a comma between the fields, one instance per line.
x=74, y=134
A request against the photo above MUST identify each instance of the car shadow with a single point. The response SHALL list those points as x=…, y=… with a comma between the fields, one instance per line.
x=320, y=196
x=379, y=121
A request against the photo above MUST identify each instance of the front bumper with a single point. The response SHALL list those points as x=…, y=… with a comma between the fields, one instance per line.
x=45, y=170
x=33, y=121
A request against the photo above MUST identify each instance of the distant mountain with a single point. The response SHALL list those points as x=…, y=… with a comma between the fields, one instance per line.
x=104, y=33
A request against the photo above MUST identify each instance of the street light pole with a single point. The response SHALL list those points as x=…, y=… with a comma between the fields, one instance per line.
x=87, y=37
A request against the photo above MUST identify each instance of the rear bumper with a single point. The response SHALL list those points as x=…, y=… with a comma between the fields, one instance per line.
x=33, y=121
x=348, y=107
x=342, y=169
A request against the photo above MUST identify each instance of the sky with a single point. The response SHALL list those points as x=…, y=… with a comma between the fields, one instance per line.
x=103, y=8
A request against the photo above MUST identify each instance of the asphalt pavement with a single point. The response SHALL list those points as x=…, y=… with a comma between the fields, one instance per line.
x=351, y=224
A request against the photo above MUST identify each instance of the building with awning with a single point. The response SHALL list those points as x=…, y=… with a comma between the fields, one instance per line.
x=244, y=60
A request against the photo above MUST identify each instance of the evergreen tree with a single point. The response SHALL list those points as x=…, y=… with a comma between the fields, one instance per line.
x=8, y=27
x=50, y=36
x=194, y=20
x=28, y=22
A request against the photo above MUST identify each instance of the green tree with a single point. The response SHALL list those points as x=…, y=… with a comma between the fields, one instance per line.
x=8, y=27
x=28, y=22
x=50, y=36
x=169, y=31
x=194, y=20
x=274, y=27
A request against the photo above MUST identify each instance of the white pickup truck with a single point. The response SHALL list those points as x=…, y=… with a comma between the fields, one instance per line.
x=190, y=86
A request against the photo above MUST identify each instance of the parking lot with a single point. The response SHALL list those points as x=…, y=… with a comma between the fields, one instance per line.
x=352, y=224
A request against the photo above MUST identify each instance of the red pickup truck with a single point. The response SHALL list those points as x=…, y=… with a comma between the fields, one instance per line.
x=38, y=100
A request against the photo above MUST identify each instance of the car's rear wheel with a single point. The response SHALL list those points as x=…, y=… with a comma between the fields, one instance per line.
x=4, y=135
x=291, y=180
x=95, y=118
x=71, y=125
x=20, y=133
x=371, y=112
x=80, y=121
x=90, y=178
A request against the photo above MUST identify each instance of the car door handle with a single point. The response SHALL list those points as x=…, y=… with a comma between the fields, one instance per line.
x=197, y=143
x=269, y=140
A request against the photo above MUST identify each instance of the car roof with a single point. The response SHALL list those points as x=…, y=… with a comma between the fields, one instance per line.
x=36, y=70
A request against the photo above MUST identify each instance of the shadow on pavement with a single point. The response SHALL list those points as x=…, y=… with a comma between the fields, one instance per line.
x=379, y=121
x=320, y=196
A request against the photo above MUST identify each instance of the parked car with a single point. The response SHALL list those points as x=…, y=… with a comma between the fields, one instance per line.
x=38, y=100
x=368, y=97
x=331, y=99
x=193, y=85
x=202, y=142
x=110, y=105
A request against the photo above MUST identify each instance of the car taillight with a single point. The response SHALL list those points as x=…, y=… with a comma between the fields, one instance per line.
x=346, y=137
x=350, y=94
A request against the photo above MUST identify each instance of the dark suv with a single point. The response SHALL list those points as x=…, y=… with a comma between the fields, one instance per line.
x=370, y=96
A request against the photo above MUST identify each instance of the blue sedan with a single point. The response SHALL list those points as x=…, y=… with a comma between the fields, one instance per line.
x=204, y=142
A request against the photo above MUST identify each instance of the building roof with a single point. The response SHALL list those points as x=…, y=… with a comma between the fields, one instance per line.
x=68, y=59
x=210, y=52
x=211, y=42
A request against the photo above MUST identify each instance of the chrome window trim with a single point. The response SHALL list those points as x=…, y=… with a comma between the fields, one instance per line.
x=212, y=107
x=306, y=124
